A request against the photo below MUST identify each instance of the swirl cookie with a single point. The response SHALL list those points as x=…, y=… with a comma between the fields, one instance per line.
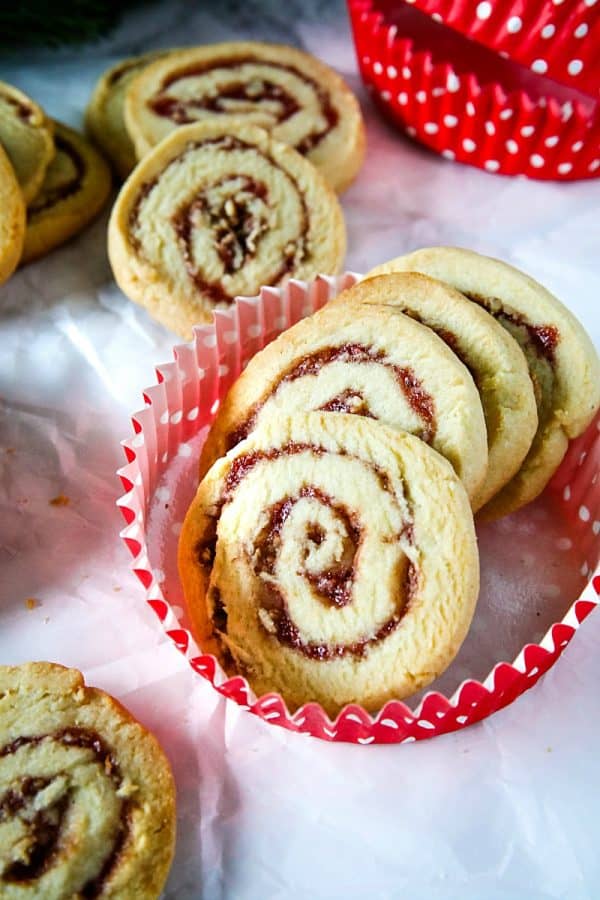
x=368, y=361
x=332, y=560
x=87, y=801
x=297, y=98
x=12, y=218
x=210, y=214
x=562, y=361
x=493, y=358
x=75, y=188
x=105, y=115
x=26, y=135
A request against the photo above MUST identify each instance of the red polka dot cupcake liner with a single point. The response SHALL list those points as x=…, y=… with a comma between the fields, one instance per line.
x=555, y=575
x=557, y=38
x=470, y=104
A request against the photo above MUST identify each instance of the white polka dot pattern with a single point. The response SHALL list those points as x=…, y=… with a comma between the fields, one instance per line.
x=557, y=38
x=474, y=123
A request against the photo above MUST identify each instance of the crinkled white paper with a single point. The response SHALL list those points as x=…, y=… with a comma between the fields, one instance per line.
x=507, y=809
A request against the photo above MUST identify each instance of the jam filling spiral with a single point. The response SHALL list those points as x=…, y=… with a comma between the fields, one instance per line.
x=248, y=84
x=53, y=194
x=543, y=339
x=539, y=344
x=329, y=555
x=351, y=400
x=43, y=804
x=25, y=112
x=238, y=211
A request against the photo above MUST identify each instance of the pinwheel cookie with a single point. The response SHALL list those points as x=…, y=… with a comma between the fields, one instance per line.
x=331, y=559
x=75, y=188
x=494, y=359
x=212, y=213
x=370, y=361
x=105, y=116
x=26, y=135
x=87, y=801
x=12, y=218
x=296, y=97
x=562, y=361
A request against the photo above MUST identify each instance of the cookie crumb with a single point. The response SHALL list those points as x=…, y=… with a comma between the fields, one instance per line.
x=60, y=500
x=31, y=603
x=9, y=450
x=117, y=588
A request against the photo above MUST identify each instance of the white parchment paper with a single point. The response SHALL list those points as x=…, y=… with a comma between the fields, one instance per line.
x=506, y=809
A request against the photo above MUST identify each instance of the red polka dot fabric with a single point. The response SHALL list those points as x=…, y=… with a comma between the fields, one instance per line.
x=557, y=38
x=467, y=116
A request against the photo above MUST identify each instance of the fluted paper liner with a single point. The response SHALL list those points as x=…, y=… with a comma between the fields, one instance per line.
x=466, y=119
x=558, y=39
x=557, y=540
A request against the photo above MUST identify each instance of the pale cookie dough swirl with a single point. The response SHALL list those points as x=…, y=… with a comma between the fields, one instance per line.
x=493, y=358
x=86, y=795
x=105, y=115
x=76, y=186
x=562, y=361
x=209, y=215
x=12, y=218
x=26, y=135
x=373, y=362
x=332, y=559
x=299, y=99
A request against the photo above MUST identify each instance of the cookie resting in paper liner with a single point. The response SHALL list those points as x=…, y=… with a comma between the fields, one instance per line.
x=87, y=799
x=288, y=92
x=373, y=362
x=495, y=361
x=215, y=211
x=331, y=559
x=162, y=452
x=563, y=363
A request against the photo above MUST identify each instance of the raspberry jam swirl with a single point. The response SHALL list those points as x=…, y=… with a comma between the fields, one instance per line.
x=265, y=92
x=308, y=554
x=68, y=794
x=350, y=399
x=539, y=343
x=225, y=221
x=71, y=183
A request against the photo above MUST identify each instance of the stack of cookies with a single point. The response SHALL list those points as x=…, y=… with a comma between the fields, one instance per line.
x=52, y=181
x=237, y=152
x=330, y=551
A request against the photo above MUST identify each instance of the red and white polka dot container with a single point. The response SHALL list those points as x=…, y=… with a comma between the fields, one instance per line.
x=557, y=38
x=532, y=598
x=469, y=103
